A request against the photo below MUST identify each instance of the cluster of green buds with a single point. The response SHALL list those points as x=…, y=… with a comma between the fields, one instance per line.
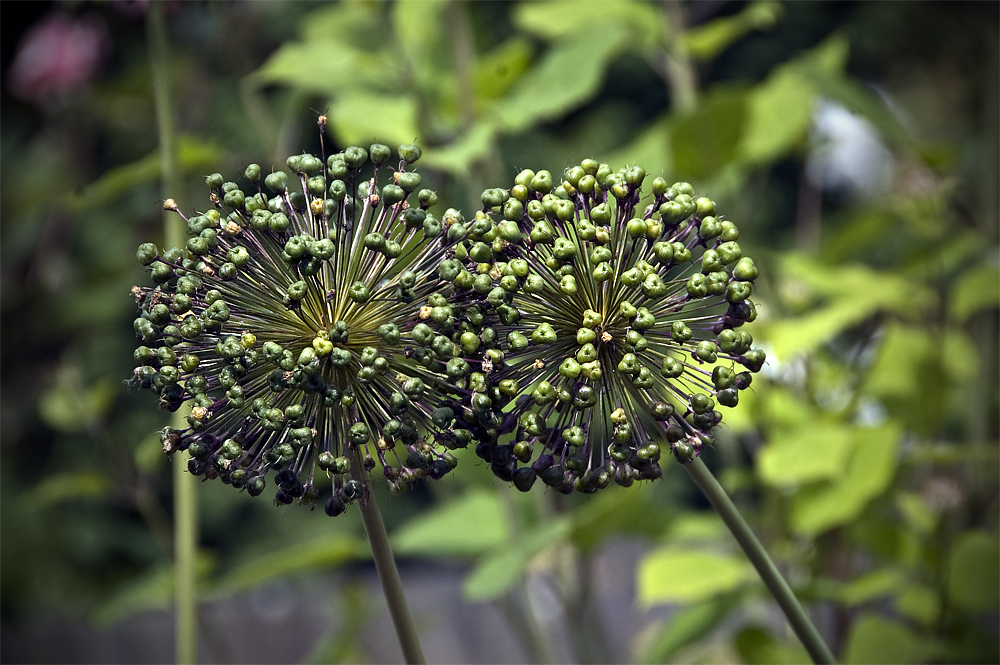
x=571, y=332
x=614, y=329
x=313, y=327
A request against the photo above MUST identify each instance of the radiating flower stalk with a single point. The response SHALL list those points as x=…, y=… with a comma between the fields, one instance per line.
x=305, y=327
x=615, y=325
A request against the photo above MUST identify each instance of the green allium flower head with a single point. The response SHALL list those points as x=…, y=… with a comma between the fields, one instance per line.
x=311, y=324
x=616, y=325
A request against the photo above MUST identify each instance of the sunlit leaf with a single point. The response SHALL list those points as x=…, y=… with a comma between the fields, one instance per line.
x=568, y=74
x=674, y=575
x=779, y=115
x=495, y=72
x=708, y=40
x=327, y=67
x=824, y=505
x=553, y=20
x=362, y=117
x=813, y=451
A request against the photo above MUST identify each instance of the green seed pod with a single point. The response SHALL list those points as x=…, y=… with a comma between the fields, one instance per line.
x=409, y=153
x=408, y=180
x=276, y=182
x=737, y=292
x=672, y=368
x=379, y=152
x=705, y=351
x=359, y=434
x=544, y=334
x=745, y=270
x=146, y=253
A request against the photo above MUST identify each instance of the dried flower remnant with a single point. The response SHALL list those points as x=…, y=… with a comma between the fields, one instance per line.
x=616, y=325
x=309, y=327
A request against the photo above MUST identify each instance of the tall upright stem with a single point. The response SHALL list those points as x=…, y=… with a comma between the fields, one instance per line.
x=385, y=566
x=185, y=500
x=776, y=584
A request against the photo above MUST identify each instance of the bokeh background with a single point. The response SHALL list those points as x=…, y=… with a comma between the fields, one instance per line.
x=856, y=144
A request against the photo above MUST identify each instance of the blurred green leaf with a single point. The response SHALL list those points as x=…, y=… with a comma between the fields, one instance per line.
x=915, y=511
x=358, y=118
x=975, y=290
x=327, y=67
x=568, y=74
x=779, y=115
x=851, y=293
x=69, y=406
x=813, y=450
x=651, y=148
x=496, y=574
x=495, y=72
x=878, y=583
x=974, y=571
x=457, y=157
x=419, y=28
x=824, y=505
x=874, y=639
x=674, y=575
x=68, y=486
x=920, y=603
x=708, y=40
x=758, y=647
x=689, y=624
x=607, y=513
x=560, y=18
x=303, y=557
x=469, y=525
x=152, y=590
x=706, y=140
x=193, y=156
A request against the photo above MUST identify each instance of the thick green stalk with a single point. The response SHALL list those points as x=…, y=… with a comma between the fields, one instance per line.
x=385, y=566
x=776, y=584
x=185, y=501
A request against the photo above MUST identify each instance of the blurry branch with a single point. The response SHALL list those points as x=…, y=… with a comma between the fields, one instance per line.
x=185, y=502
x=674, y=65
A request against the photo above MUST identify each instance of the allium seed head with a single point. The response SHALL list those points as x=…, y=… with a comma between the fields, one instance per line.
x=615, y=325
x=311, y=324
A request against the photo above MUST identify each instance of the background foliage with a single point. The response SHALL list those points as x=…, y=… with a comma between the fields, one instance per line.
x=856, y=144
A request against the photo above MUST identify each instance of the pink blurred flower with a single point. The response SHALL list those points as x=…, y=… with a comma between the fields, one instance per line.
x=57, y=56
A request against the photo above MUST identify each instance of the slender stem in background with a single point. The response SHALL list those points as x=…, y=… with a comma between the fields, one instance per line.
x=776, y=584
x=385, y=566
x=185, y=500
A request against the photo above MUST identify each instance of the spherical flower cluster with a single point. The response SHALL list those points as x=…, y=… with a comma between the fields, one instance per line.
x=312, y=328
x=615, y=325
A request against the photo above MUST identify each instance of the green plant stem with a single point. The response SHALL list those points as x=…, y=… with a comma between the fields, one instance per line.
x=776, y=584
x=185, y=499
x=385, y=566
